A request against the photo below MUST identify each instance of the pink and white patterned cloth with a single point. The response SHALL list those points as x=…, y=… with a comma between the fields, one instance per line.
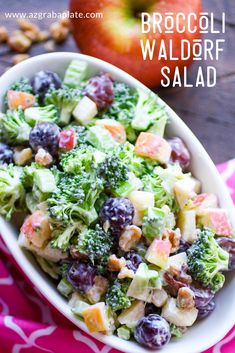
x=28, y=324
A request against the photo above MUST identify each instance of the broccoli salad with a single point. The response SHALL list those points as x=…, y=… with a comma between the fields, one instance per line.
x=111, y=211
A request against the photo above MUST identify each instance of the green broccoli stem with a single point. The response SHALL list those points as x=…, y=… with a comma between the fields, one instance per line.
x=65, y=115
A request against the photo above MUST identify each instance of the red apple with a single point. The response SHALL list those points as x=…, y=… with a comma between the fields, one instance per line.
x=116, y=36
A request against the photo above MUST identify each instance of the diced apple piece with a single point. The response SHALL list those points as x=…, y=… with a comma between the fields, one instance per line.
x=138, y=218
x=177, y=261
x=48, y=253
x=52, y=254
x=186, y=189
x=22, y=156
x=77, y=305
x=187, y=225
x=75, y=299
x=199, y=202
x=153, y=146
x=216, y=219
x=140, y=287
x=36, y=227
x=96, y=318
x=159, y=297
x=132, y=315
x=16, y=99
x=176, y=316
x=67, y=139
x=85, y=111
x=141, y=200
x=115, y=128
x=158, y=252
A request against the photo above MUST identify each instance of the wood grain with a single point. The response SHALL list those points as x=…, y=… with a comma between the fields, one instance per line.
x=209, y=112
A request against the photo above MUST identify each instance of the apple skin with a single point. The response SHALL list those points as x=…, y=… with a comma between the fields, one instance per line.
x=116, y=37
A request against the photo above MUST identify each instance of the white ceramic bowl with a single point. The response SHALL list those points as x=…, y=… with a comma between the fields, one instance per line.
x=206, y=332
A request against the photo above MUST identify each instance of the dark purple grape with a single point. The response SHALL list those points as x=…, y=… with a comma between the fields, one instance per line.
x=184, y=246
x=152, y=331
x=6, y=154
x=116, y=214
x=81, y=275
x=151, y=309
x=45, y=135
x=100, y=90
x=228, y=244
x=179, y=152
x=202, y=296
x=133, y=260
x=206, y=310
x=42, y=81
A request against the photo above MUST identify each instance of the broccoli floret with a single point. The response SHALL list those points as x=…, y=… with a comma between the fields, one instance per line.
x=57, y=173
x=206, y=258
x=149, y=113
x=113, y=171
x=2, y=137
x=12, y=192
x=95, y=243
x=65, y=99
x=81, y=159
x=138, y=165
x=123, y=107
x=125, y=99
x=37, y=115
x=161, y=183
x=161, y=196
x=22, y=85
x=75, y=197
x=62, y=235
x=116, y=297
x=15, y=127
x=153, y=222
x=126, y=187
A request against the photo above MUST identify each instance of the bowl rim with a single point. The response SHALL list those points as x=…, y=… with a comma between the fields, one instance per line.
x=34, y=275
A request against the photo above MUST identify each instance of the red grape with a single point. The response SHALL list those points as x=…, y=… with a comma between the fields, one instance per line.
x=179, y=153
x=206, y=310
x=133, y=260
x=228, y=244
x=116, y=214
x=100, y=90
x=152, y=331
x=81, y=275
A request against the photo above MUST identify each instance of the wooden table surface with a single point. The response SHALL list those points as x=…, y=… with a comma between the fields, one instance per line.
x=209, y=112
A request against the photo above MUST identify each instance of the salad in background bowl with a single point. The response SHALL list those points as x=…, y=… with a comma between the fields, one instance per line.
x=121, y=206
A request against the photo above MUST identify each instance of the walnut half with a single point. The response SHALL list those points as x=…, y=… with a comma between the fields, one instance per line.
x=174, y=237
x=129, y=237
x=116, y=264
x=185, y=298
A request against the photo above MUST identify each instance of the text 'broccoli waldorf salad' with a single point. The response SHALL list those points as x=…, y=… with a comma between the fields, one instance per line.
x=112, y=213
